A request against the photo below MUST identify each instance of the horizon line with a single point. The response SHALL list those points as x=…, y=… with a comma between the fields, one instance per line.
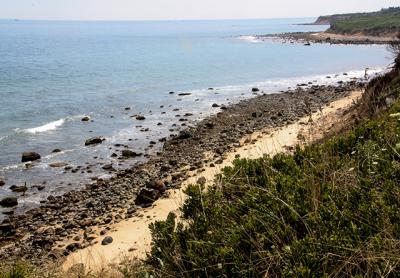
x=172, y=19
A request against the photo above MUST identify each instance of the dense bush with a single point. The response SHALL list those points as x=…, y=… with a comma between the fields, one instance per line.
x=327, y=210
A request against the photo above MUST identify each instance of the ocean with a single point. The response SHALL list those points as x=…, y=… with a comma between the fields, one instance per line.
x=53, y=73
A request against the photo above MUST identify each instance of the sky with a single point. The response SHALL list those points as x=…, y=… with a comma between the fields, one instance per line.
x=181, y=9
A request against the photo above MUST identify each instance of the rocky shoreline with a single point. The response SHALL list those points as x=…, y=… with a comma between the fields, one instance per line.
x=79, y=218
x=312, y=37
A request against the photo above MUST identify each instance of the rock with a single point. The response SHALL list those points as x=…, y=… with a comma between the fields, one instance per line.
x=30, y=156
x=2, y=182
x=85, y=119
x=256, y=114
x=307, y=44
x=56, y=151
x=146, y=197
x=9, y=202
x=107, y=167
x=107, y=240
x=58, y=164
x=73, y=247
x=140, y=118
x=215, y=105
x=18, y=188
x=171, y=93
x=129, y=153
x=94, y=141
x=184, y=94
x=184, y=134
x=157, y=185
x=6, y=228
x=201, y=181
x=255, y=90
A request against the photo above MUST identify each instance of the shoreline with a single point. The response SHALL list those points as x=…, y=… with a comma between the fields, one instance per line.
x=132, y=239
x=66, y=223
x=331, y=38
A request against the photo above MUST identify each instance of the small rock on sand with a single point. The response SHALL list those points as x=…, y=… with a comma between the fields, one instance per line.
x=107, y=240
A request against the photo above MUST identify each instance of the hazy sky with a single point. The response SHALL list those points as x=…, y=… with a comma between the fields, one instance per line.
x=181, y=9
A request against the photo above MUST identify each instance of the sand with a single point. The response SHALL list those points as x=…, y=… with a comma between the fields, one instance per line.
x=132, y=238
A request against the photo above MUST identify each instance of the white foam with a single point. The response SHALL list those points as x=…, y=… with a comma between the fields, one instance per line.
x=43, y=128
x=252, y=39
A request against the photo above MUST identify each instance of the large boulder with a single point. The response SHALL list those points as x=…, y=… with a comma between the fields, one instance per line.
x=94, y=141
x=30, y=156
x=146, y=197
x=9, y=202
x=2, y=182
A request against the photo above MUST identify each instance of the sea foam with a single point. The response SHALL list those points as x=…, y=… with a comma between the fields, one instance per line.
x=43, y=128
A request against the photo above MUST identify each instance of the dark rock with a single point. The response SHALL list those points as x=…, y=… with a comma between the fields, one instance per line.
x=108, y=167
x=215, y=105
x=157, y=185
x=184, y=94
x=85, y=119
x=56, y=151
x=146, y=197
x=9, y=202
x=2, y=182
x=73, y=247
x=129, y=153
x=256, y=114
x=140, y=118
x=94, y=141
x=107, y=240
x=171, y=93
x=255, y=90
x=30, y=156
x=18, y=188
x=184, y=134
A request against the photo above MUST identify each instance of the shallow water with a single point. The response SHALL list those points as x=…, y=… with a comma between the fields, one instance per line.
x=54, y=73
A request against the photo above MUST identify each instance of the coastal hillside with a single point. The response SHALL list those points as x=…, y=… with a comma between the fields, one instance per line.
x=384, y=22
x=329, y=209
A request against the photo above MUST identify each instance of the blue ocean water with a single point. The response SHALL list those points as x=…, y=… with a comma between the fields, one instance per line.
x=54, y=72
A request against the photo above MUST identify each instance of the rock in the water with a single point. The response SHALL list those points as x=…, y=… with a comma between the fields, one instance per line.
x=56, y=151
x=140, y=118
x=255, y=90
x=85, y=119
x=18, y=188
x=94, y=141
x=215, y=105
x=107, y=240
x=2, y=182
x=9, y=202
x=129, y=153
x=58, y=164
x=30, y=156
x=147, y=196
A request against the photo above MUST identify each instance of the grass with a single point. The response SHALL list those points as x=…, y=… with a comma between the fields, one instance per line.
x=377, y=23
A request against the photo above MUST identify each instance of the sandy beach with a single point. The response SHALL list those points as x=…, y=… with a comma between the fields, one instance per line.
x=132, y=238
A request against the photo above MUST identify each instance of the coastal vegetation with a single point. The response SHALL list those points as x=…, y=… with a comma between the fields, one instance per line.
x=384, y=22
